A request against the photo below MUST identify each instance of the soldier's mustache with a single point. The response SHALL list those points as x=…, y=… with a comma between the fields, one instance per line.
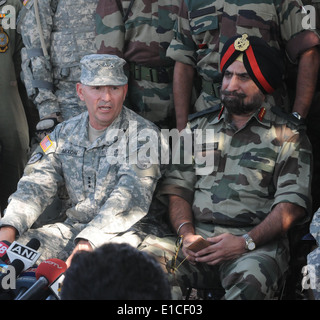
x=227, y=93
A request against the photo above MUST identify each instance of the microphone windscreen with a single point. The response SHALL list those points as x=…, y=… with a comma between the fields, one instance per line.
x=51, y=269
x=33, y=244
x=4, y=245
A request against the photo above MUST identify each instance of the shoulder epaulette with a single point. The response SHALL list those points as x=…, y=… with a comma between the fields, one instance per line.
x=292, y=121
x=204, y=112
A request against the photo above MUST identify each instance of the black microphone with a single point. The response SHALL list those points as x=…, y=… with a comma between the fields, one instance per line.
x=47, y=272
x=25, y=281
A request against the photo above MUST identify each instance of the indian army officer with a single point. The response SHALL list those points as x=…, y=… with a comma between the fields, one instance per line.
x=233, y=215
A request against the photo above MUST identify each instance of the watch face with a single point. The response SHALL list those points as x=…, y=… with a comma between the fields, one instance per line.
x=251, y=245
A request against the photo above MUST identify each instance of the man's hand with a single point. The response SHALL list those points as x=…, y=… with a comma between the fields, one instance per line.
x=82, y=245
x=8, y=233
x=187, y=241
x=224, y=247
x=47, y=124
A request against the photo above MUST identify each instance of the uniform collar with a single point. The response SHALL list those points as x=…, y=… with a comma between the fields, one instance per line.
x=262, y=115
x=107, y=138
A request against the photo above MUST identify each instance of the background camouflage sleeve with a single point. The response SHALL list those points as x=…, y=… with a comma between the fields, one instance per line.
x=37, y=71
x=144, y=37
x=203, y=27
x=109, y=28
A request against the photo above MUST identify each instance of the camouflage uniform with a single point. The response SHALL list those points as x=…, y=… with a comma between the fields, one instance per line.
x=142, y=40
x=313, y=257
x=68, y=31
x=255, y=168
x=204, y=26
x=14, y=135
x=107, y=198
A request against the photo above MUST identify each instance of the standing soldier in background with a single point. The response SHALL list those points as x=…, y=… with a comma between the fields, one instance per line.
x=140, y=32
x=14, y=134
x=204, y=26
x=56, y=35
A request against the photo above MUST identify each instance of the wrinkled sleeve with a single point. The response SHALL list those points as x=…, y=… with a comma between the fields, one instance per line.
x=36, y=189
x=180, y=177
x=293, y=172
x=109, y=28
x=37, y=72
x=295, y=31
x=182, y=47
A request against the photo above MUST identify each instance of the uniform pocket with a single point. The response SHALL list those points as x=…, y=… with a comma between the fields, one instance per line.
x=258, y=168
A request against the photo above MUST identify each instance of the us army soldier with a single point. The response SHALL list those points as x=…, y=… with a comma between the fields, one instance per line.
x=108, y=197
x=56, y=35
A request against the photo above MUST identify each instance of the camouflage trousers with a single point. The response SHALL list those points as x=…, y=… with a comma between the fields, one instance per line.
x=57, y=234
x=253, y=276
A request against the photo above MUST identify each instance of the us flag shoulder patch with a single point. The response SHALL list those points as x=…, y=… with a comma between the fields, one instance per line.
x=46, y=143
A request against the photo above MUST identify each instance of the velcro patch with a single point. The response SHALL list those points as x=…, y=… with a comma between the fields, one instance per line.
x=46, y=143
x=35, y=158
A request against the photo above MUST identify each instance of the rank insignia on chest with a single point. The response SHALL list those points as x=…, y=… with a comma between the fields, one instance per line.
x=4, y=40
x=261, y=113
x=221, y=112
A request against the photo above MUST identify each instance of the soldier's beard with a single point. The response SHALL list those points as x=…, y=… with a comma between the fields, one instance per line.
x=234, y=102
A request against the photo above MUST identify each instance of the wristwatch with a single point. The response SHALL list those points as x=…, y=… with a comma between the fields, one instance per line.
x=297, y=115
x=250, y=245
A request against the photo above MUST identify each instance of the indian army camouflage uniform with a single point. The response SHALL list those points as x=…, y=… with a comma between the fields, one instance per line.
x=141, y=35
x=108, y=197
x=255, y=168
x=14, y=134
x=203, y=27
x=50, y=72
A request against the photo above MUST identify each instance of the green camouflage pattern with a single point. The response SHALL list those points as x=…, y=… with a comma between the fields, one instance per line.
x=254, y=169
x=203, y=27
x=107, y=197
x=266, y=162
x=143, y=40
x=228, y=280
x=69, y=32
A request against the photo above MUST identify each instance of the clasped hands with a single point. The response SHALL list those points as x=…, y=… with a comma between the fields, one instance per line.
x=224, y=247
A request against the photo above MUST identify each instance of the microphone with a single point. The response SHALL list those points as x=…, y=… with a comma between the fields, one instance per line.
x=24, y=282
x=47, y=272
x=4, y=245
x=24, y=256
x=21, y=258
